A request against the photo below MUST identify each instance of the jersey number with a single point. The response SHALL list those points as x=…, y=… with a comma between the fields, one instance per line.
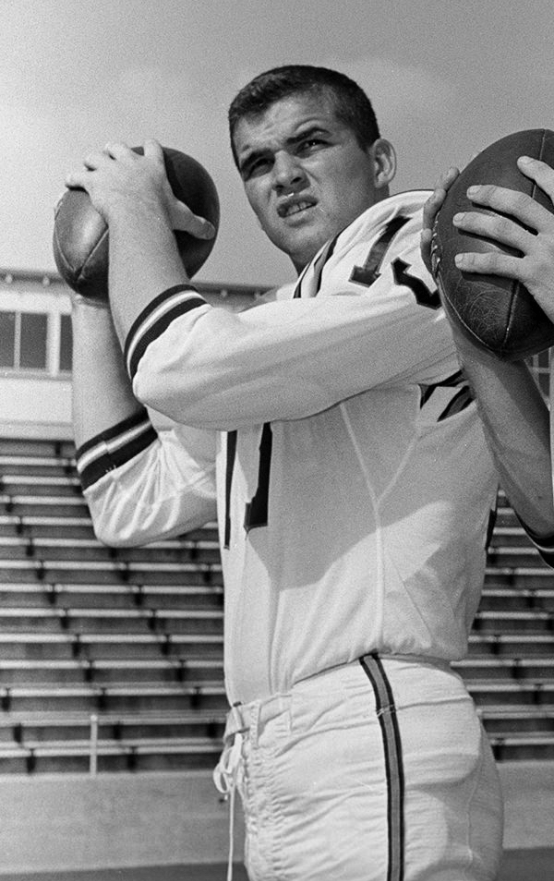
x=370, y=271
x=255, y=513
x=256, y=510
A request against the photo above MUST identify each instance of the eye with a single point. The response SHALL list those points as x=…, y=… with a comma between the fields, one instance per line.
x=310, y=144
x=255, y=167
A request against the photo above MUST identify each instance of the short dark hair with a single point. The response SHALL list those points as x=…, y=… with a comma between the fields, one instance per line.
x=351, y=104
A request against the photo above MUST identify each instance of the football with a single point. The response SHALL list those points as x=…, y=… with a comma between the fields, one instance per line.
x=81, y=241
x=497, y=313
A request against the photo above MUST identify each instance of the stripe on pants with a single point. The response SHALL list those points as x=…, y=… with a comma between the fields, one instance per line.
x=392, y=748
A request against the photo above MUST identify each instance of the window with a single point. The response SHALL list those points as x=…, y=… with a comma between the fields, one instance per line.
x=23, y=340
x=32, y=340
x=40, y=342
x=66, y=343
x=7, y=339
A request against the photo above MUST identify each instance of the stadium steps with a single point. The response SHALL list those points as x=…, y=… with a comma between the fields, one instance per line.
x=507, y=719
x=122, y=697
x=22, y=619
x=133, y=637
x=82, y=549
x=517, y=669
x=46, y=726
x=539, y=621
x=29, y=448
x=86, y=629
x=109, y=596
x=108, y=671
x=513, y=598
x=33, y=505
x=91, y=646
x=40, y=485
x=140, y=754
x=108, y=571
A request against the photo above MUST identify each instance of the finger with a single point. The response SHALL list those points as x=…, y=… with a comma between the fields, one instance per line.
x=538, y=171
x=186, y=221
x=494, y=226
x=447, y=178
x=491, y=263
x=77, y=179
x=117, y=150
x=154, y=150
x=94, y=160
x=426, y=238
x=436, y=199
x=520, y=206
x=432, y=206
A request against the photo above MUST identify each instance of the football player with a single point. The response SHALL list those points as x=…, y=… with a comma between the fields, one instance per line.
x=333, y=436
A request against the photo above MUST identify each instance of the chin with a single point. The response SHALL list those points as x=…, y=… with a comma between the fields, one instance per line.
x=302, y=251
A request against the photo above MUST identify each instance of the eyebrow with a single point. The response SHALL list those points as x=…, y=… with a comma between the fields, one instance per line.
x=255, y=154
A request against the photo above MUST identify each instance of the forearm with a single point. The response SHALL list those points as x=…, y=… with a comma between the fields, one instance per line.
x=144, y=261
x=516, y=423
x=102, y=393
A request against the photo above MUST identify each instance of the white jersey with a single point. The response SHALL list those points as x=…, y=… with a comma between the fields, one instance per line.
x=334, y=437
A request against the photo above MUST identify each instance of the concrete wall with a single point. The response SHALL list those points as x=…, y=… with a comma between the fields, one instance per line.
x=35, y=407
x=51, y=823
x=529, y=804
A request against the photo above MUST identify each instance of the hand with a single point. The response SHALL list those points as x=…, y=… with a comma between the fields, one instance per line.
x=529, y=228
x=121, y=182
x=430, y=211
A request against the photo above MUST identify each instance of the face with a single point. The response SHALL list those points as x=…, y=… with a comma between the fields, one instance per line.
x=305, y=175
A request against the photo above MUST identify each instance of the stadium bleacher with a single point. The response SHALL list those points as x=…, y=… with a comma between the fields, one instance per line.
x=111, y=659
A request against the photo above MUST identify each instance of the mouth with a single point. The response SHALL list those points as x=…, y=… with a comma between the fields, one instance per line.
x=293, y=205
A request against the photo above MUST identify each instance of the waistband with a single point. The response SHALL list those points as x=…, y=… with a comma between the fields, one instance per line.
x=253, y=716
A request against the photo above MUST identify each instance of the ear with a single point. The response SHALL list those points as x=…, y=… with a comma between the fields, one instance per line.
x=384, y=160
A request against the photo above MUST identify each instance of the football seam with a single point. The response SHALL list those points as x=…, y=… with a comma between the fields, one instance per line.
x=90, y=255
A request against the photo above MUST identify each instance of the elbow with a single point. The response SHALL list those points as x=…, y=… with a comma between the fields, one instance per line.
x=113, y=537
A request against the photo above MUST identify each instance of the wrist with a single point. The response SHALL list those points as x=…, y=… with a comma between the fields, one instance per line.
x=473, y=353
x=137, y=213
x=88, y=306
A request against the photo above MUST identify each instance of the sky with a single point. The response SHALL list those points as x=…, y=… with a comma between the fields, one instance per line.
x=446, y=78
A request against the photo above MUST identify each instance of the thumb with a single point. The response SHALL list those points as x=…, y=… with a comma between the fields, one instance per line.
x=182, y=218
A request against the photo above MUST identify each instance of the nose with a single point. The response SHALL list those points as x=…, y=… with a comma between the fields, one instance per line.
x=288, y=172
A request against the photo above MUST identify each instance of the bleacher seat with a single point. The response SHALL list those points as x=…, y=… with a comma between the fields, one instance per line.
x=122, y=649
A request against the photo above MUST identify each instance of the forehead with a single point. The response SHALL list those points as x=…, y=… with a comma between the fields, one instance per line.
x=283, y=120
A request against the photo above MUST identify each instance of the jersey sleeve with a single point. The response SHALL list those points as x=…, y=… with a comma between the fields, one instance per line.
x=142, y=485
x=365, y=314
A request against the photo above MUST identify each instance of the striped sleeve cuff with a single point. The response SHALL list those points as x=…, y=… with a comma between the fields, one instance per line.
x=155, y=319
x=114, y=447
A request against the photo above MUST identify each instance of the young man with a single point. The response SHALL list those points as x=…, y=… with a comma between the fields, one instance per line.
x=514, y=414
x=333, y=435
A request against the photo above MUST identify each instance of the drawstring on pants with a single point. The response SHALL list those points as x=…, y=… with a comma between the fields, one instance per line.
x=226, y=772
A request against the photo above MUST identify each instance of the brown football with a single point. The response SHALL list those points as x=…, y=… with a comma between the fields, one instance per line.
x=498, y=313
x=81, y=241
